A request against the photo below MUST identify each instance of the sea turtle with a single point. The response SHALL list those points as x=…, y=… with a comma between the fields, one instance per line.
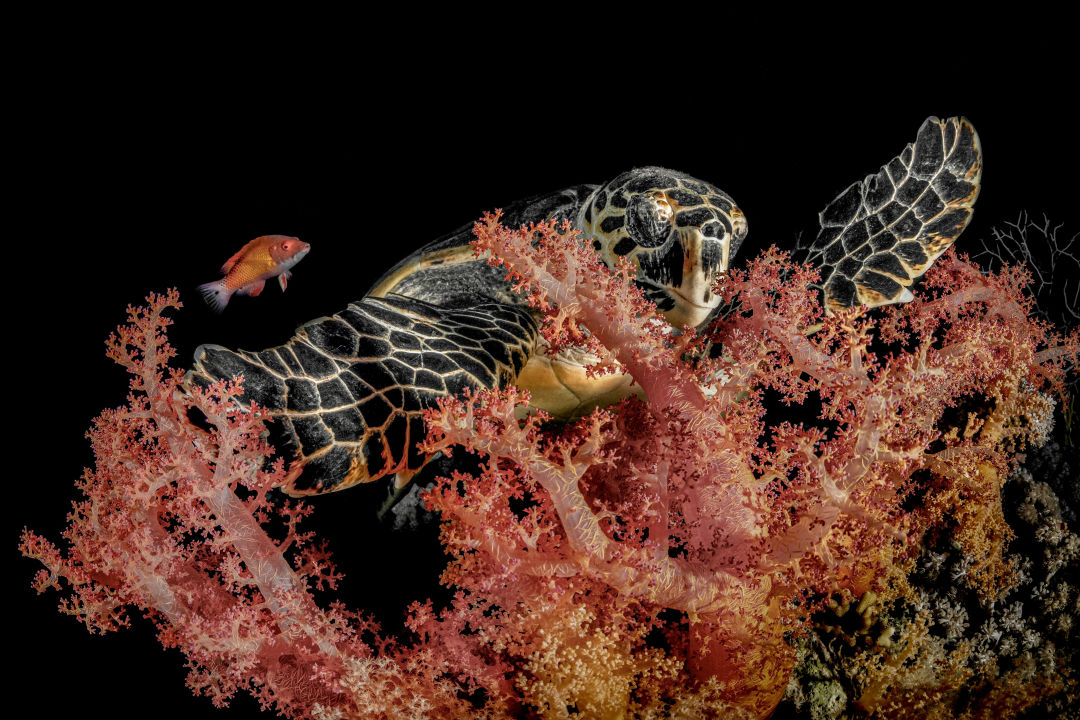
x=347, y=391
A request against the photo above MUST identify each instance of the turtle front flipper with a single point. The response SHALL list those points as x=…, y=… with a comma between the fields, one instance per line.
x=880, y=234
x=346, y=393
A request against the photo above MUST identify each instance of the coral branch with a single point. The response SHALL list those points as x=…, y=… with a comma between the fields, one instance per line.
x=174, y=522
x=652, y=559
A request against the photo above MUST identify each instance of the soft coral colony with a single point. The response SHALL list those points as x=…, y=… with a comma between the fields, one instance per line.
x=673, y=555
x=676, y=518
x=654, y=559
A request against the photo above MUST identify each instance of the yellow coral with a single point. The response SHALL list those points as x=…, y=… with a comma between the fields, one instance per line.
x=588, y=670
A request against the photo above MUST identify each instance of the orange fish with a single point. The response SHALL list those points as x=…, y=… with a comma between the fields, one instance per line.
x=247, y=271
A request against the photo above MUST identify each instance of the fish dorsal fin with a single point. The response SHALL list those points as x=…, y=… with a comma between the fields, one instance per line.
x=231, y=262
x=259, y=242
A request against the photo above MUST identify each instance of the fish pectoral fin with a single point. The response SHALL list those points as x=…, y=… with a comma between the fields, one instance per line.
x=253, y=289
x=283, y=280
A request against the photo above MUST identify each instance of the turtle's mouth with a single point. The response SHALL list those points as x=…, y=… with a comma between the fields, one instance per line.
x=666, y=296
x=686, y=300
x=687, y=312
x=679, y=309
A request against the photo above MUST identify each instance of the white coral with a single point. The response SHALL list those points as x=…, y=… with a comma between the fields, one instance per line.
x=1012, y=620
x=952, y=617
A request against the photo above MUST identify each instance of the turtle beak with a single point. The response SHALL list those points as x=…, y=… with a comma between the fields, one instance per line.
x=705, y=259
x=693, y=298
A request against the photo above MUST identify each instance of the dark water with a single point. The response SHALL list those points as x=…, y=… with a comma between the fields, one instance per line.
x=124, y=190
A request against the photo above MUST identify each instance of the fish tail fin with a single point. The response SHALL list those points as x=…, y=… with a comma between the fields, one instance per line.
x=215, y=294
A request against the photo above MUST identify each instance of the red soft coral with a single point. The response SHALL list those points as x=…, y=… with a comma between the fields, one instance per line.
x=645, y=560
x=177, y=521
x=680, y=504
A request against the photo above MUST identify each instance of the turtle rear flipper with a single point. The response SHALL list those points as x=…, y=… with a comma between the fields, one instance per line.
x=880, y=234
x=346, y=393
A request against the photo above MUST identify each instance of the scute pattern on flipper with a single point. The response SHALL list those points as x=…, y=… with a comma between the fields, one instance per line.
x=347, y=391
x=880, y=234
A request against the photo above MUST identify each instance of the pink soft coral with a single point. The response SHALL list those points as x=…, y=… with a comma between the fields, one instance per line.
x=645, y=561
x=678, y=505
x=177, y=521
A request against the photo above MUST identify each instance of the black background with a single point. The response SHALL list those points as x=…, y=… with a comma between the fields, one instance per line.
x=132, y=172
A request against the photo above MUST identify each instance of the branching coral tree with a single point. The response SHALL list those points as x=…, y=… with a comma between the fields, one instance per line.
x=184, y=524
x=690, y=504
x=649, y=560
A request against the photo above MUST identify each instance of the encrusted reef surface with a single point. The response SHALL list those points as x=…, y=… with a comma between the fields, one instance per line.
x=949, y=650
x=952, y=645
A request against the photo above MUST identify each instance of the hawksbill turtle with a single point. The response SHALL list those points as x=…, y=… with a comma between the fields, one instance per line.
x=347, y=391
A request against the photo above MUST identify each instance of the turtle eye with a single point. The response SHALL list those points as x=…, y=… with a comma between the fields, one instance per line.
x=648, y=220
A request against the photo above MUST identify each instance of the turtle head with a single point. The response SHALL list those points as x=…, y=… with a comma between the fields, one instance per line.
x=680, y=232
